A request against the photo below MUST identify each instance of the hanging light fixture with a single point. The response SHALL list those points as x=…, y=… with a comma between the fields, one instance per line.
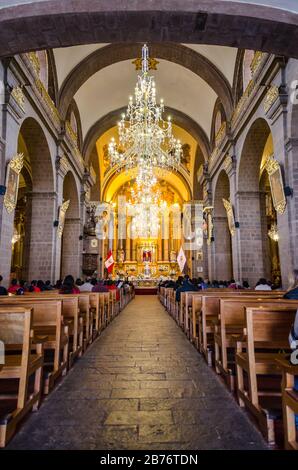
x=146, y=139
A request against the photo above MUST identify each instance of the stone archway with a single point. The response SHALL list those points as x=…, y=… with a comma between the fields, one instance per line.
x=253, y=231
x=37, y=197
x=71, y=246
x=223, y=265
x=43, y=24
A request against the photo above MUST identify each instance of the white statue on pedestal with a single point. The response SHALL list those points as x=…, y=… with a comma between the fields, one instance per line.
x=147, y=271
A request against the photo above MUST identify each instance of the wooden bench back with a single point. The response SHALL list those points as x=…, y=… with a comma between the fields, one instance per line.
x=15, y=325
x=269, y=326
x=45, y=311
x=232, y=311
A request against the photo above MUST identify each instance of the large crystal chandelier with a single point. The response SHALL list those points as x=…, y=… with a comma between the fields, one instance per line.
x=146, y=139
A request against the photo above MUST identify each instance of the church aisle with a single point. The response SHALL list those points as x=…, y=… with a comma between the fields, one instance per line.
x=140, y=386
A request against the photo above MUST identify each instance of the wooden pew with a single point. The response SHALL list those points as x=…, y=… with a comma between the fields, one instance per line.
x=71, y=318
x=19, y=364
x=264, y=337
x=205, y=311
x=289, y=402
x=230, y=326
x=87, y=315
x=48, y=321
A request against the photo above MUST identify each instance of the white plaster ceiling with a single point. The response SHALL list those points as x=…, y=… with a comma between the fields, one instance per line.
x=180, y=88
x=222, y=57
x=66, y=58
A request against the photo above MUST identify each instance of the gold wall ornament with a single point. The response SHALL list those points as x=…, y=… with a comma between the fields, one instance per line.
x=230, y=216
x=221, y=134
x=50, y=105
x=270, y=98
x=14, y=169
x=243, y=101
x=273, y=233
x=152, y=63
x=62, y=213
x=276, y=185
x=256, y=61
x=18, y=95
x=200, y=172
x=228, y=163
x=71, y=133
x=208, y=223
x=34, y=62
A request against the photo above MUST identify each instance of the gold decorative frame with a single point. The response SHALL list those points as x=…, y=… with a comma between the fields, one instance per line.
x=276, y=184
x=207, y=211
x=230, y=216
x=62, y=213
x=14, y=169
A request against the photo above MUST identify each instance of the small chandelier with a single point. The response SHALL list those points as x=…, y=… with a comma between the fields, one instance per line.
x=147, y=140
x=273, y=233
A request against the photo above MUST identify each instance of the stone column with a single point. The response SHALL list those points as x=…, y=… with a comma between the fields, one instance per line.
x=41, y=233
x=250, y=232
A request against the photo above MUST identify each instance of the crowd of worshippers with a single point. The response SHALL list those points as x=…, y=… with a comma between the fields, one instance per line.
x=185, y=284
x=66, y=286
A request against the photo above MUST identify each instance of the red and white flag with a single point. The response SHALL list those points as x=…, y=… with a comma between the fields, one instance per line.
x=109, y=263
x=181, y=259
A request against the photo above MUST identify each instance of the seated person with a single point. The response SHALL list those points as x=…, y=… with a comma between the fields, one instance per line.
x=68, y=286
x=33, y=287
x=3, y=290
x=262, y=284
x=292, y=293
x=293, y=340
x=87, y=286
x=14, y=286
x=100, y=287
x=187, y=286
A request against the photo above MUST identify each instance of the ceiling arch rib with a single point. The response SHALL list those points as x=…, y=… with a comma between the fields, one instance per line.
x=175, y=53
x=30, y=25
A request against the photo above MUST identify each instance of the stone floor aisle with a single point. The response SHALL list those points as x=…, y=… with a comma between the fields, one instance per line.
x=141, y=385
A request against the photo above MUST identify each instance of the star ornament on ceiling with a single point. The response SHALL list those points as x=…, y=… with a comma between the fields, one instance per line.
x=152, y=63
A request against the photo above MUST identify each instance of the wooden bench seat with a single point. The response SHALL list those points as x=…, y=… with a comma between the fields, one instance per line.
x=265, y=334
x=20, y=363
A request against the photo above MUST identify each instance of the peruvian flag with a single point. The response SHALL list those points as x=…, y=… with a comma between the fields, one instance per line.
x=109, y=263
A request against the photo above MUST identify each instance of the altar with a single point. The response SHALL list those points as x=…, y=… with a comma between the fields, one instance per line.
x=145, y=286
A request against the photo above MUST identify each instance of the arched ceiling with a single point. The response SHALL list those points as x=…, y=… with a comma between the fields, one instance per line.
x=119, y=179
x=110, y=88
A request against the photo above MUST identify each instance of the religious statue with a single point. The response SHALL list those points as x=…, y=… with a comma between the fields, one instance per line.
x=147, y=270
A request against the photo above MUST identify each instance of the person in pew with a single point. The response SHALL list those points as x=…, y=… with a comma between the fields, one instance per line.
x=41, y=285
x=14, y=286
x=79, y=282
x=58, y=284
x=68, y=286
x=33, y=287
x=262, y=284
x=187, y=286
x=111, y=286
x=87, y=286
x=293, y=340
x=48, y=286
x=100, y=287
x=245, y=285
x=3, y=290
x=292, y=292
